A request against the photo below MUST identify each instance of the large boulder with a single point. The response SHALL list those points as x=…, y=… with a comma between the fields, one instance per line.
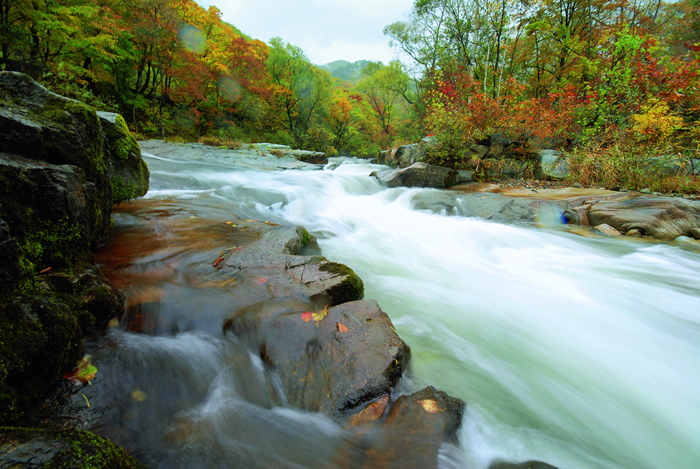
x=423, y=175
x=553, y=164
x=331, y=365
x=49, y=129
x=55, y=207
x=129, y=175
x=663, y=217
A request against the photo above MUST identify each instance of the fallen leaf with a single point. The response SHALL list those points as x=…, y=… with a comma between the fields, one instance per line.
x=138, y=395
x=341, y=327
x=429, y=405
x=260, y=280
x=218, y=261
x=229, y=223
x=319, y=315
x=84, y=372
x=250, y=219
x=87, y=375
x=372, y=412
x=307, y=316
x=46, y=270
x=88, y=402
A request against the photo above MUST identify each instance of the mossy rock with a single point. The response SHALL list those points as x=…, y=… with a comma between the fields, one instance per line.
x=42, y=325
x=38, y=448
x=129, y=171
x=350, y=289
x=44, y=127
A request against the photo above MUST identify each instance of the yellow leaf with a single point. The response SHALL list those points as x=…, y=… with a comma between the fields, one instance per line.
x=429, y=405
x=138, y=395
x=319, y=315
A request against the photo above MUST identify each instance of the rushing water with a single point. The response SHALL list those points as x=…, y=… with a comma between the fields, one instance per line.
x=582, y=352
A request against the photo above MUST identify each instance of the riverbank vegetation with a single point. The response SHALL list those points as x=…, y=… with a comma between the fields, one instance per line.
x=614, y=83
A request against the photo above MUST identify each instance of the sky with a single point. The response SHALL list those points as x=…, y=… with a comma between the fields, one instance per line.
x=326, y=30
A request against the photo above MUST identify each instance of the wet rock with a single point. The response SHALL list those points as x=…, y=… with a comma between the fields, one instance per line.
x=423, y=175
x=55, y=206
x=607, y=230
x=323, y=367
x=33, y=448
x=662, y=218
x=695, y=233
x=522, y=465
x=129, y=175
x=634, y=233
x=579, y=215
x=415, y=428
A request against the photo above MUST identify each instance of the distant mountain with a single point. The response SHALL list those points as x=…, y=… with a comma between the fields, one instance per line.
x=348, y=71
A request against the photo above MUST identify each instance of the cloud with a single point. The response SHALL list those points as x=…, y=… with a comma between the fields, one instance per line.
x=326, y=31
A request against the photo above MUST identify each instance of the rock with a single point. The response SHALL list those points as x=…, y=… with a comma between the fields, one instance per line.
x=554, y=166
x=406, y=155
x=645, y=191
x=522, y=465
x=423, y=175
x=634, y=233
x=129, y=175
x=579, y=215
x=415, y=428
x=55, y=206
x=313, y=157
x=30, y=447
x=47, y=128
x=662, y=218
x=684, y=239
x=695, y=233
x=695, y=165
x=322, y=368
x=498, y=145
x=607, y=230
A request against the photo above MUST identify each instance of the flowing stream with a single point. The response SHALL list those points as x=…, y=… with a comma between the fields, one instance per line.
x=581, y=352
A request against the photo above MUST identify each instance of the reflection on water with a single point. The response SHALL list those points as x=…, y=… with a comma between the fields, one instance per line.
x=580, y=352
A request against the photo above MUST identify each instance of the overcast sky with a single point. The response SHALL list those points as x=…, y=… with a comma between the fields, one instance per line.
x=326, y=30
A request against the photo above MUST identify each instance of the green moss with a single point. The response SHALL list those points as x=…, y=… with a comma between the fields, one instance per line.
x=52, y=244
x=350, y=289
x=305, y=237
x=73, y=448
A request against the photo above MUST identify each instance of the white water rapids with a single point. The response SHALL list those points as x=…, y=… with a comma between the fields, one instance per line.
x=580, y=352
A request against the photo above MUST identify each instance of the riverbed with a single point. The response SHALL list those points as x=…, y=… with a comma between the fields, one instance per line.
x=581, y=352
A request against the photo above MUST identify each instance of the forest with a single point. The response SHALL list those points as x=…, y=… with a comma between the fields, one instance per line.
x=612, y=83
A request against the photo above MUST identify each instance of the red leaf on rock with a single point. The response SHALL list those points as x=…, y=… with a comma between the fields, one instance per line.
x=260, y=280
x=341, y=327
x=218, y=261
x=307, y=316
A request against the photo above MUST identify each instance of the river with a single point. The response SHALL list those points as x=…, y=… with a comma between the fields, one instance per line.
x=581, y=352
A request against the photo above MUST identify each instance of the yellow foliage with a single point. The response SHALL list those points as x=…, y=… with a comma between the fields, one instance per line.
x=656, y=123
